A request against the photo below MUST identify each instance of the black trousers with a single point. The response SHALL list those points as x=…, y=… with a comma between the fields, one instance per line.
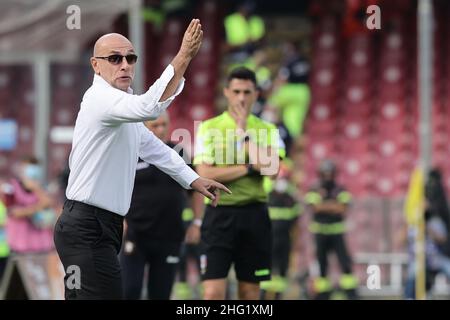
x=281, y=246
x=188, y=251
x=162, y=258
x=328, y=243
x=88, y=240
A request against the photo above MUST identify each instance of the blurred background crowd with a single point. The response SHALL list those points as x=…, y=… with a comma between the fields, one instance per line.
x=345, y=98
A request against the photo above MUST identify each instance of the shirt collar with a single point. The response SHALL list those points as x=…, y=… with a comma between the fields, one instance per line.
x=99, y=80
x=230, y=119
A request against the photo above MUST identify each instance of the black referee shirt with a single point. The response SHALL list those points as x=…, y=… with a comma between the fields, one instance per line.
x=156, y=205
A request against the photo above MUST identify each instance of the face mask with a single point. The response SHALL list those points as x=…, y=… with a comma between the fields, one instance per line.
x=33, y=172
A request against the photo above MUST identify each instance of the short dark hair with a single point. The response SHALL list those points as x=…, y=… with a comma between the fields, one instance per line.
x=241, y=73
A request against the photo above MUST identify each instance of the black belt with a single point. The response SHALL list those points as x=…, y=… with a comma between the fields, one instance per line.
x=73, y=204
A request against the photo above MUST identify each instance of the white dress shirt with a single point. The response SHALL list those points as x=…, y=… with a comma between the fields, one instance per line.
x=109, y=137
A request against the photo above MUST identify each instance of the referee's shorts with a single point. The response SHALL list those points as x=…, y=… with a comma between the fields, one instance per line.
x=239, y=235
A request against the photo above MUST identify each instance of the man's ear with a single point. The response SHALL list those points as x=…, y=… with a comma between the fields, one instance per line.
x=257, y=93
x=225, y=92
x=94, y=64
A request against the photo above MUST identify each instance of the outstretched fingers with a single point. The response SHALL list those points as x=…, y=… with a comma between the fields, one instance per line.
x=198, y=29
x=207, y=194
x=191, y=26
x=220, y=187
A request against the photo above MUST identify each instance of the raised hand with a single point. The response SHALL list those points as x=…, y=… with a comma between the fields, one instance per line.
x=240, y=113
x=192, y=39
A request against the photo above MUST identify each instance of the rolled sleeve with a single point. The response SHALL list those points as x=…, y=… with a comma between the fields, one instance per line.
x=186, y=177
x=160, y=86
x=122, y=107
x=163, y=105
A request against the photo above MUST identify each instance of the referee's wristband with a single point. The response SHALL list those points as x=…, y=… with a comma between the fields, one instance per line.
x=197, y=222
x=251, y=171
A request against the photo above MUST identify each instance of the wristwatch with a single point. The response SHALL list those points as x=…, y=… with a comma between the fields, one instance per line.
x=197, y=222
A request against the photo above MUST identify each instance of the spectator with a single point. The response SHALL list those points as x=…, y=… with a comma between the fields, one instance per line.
x=272, y=115
x=436, y=236
x=244, y=30
x=284, y=212
x=437, y=203
x=329, y=202
x=292, y=94
x=30, y=217
x=4, y=248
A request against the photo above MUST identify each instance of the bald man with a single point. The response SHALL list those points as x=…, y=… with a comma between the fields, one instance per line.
x=109, y=137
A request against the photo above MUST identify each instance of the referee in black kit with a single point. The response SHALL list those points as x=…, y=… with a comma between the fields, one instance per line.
x=109, y=138
x=154, y=227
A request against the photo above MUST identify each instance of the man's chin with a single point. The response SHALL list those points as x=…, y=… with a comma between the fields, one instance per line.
x=122, y=85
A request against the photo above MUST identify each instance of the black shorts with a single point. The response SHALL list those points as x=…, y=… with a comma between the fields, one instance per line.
x=239, y=235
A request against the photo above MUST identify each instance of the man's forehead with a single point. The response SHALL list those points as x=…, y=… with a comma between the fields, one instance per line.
x=116, y=48
x=241, y=84
x=122, y=50
x=113, y=43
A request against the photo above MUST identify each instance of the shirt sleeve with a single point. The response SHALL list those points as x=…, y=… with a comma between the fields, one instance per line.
x=154, y=151
x=125, y=107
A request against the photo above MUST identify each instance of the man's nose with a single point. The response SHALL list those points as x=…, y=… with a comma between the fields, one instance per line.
x=124, y=65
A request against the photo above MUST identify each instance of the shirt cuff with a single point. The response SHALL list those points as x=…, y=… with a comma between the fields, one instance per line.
x=165, y=104
x=186, y=177
x=157, y=90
